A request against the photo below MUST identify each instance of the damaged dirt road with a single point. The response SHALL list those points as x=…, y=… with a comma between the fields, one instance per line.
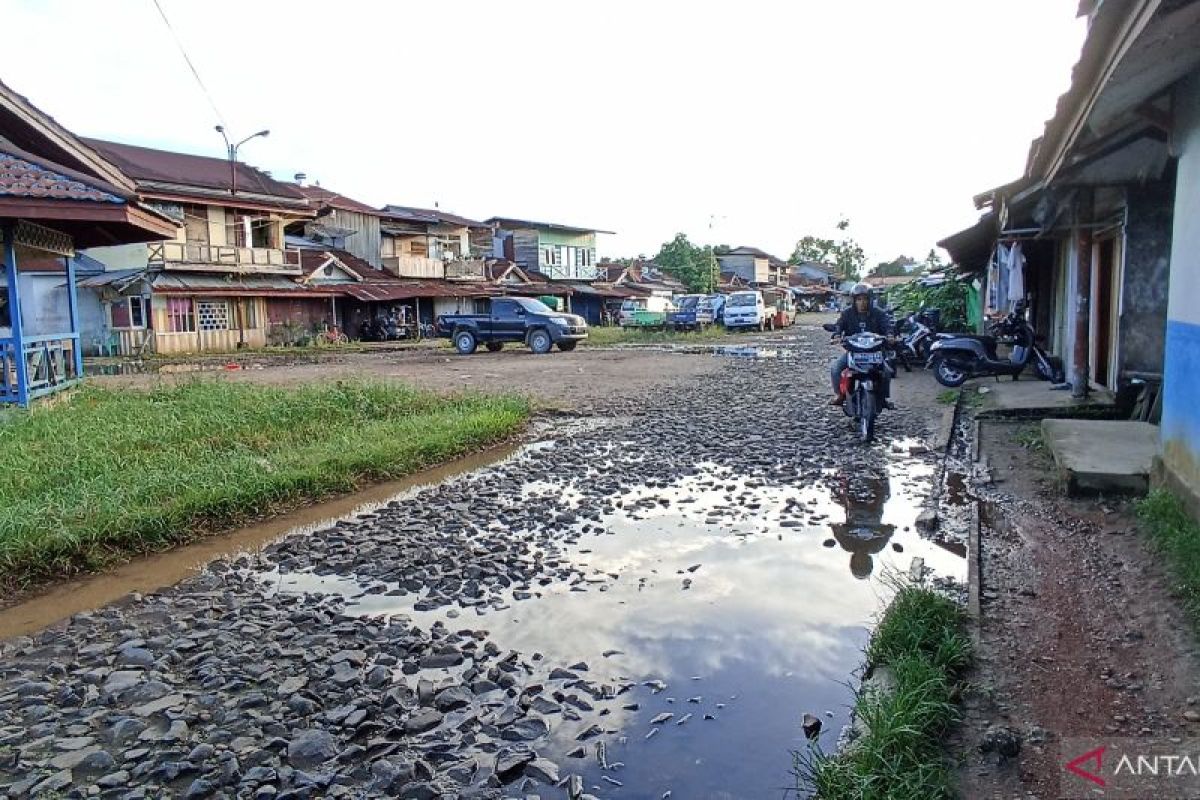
x=1080, y=637
x=642, y=601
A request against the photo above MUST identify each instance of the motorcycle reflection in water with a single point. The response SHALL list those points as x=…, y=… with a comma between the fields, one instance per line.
x=864, y=533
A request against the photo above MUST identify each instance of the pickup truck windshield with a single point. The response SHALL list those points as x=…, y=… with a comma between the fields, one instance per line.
x=742, y=300
x=687, y=302
x=530, y=305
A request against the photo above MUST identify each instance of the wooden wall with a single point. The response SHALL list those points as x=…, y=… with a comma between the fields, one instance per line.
x=367, y=243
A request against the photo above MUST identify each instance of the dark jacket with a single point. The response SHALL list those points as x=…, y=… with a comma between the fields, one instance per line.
x=875, y=321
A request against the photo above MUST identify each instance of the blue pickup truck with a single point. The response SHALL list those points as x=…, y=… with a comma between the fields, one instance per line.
x=693, y=312
x=513, y=319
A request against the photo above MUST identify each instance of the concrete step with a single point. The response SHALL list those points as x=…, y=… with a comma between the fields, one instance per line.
x=1102, y=456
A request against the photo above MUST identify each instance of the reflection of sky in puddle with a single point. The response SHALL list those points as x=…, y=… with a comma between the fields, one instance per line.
x=771, y=624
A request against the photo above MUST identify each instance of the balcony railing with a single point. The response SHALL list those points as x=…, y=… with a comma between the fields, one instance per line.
x=49, y=366
x=224, y=257
x=560, y=272
x=415, y=266
x=470, y=269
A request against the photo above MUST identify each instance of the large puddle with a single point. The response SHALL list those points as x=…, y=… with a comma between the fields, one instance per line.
x=732, y=605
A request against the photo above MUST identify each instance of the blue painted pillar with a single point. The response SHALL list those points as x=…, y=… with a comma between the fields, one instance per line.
x=14, y=310
x=73, y=308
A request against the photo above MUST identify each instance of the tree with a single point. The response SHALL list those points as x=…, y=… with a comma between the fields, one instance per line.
x=901, y=265
x=933, y=262
x=695, y=267
x=845, y=254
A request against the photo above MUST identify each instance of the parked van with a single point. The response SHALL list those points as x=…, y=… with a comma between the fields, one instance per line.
x=747, y=309
x=632, y=305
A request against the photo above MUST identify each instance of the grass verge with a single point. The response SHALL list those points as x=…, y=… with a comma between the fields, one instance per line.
x=1177, y=536
x=601, y=336
x=108, y=473
x=899, y=756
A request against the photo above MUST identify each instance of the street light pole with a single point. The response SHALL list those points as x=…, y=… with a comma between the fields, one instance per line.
x=232, y=150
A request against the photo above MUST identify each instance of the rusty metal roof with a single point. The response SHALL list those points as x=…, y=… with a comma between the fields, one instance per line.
x=145, y=164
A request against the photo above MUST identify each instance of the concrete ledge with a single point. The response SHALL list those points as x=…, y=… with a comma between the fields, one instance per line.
x=1162, y=477
x=1102, y=456
x=1031, y=398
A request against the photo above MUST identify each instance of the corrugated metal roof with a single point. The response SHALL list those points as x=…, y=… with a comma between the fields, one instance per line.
x=109, y=278
x=511, y=222
x=432, y=216
x=319, y=197
x=406, y=290
x=147, y=164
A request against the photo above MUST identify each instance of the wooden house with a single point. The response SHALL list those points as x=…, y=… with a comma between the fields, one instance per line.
x=754, y=266
x=206, y=287
x=560, y=252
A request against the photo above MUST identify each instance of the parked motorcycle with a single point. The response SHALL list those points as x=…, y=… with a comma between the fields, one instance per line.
x=862, y=380
x=381, y=329
x=916, y=334
x=959, y=357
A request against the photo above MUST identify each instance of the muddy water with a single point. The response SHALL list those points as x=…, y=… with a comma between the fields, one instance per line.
x=746, y=623
x=149, y=573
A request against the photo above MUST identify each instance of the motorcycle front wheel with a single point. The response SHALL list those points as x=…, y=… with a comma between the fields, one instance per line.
x=948, y=374
x=867, y=412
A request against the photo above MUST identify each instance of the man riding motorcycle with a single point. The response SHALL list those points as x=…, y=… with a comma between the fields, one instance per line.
x=861, y=315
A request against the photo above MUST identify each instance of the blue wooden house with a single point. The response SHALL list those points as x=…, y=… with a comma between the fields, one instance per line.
x=56, y=195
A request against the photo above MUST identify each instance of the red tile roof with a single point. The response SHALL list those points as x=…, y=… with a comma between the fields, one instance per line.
x=25, y=175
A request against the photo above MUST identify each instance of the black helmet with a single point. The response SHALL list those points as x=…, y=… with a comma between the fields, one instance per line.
x=861, y=289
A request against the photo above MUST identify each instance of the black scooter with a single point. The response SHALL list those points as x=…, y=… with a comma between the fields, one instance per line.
x=862, y=379
x=959, y=357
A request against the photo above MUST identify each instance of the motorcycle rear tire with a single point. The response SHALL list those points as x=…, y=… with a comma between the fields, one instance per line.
x=948, y=374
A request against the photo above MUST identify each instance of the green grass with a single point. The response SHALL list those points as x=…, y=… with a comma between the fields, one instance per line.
x=601, y=336
x=900, y=756
x=106, y=473
x=1176, y=535
x=948, y=397
x=1030, y=437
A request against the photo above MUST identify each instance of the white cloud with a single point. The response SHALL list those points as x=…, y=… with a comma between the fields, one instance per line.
x=643, y=118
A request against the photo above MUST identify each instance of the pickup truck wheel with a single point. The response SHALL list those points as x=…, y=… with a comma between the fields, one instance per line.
x=494, y=347
x=464, y=342
x=540, y=341
x=567, y=346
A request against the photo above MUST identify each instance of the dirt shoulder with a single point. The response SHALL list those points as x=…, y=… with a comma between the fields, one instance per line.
x=1079, y=634
x=559, y=379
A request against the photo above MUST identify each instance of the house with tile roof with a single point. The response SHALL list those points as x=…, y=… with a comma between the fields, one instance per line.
x=57, y=194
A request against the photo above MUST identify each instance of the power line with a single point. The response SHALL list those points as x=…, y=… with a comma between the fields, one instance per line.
x=191, y=66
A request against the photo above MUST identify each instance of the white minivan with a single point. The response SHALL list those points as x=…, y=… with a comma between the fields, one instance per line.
x=747, y=309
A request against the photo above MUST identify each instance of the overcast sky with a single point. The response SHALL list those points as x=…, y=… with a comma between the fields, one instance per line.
x=738, y=122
